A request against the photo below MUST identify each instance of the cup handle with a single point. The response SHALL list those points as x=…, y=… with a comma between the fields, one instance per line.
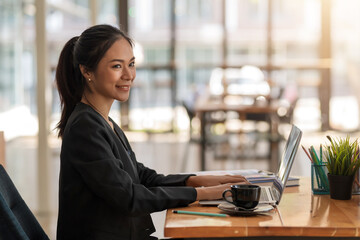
x=224, y=197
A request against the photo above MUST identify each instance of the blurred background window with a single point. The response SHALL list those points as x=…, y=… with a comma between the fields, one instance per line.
x=180, y=43
x=246, y=26
x=307, y=50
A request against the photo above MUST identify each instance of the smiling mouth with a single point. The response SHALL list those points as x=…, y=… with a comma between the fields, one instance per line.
x=123, y=87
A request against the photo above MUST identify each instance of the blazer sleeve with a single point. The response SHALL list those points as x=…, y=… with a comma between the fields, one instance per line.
x=87, y=147
x=150, y=178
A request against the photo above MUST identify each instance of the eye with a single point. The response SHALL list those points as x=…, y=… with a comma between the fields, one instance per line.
x=132, y=64
x=116, y=66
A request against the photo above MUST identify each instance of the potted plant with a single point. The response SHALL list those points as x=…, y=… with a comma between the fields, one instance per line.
x=343, y=161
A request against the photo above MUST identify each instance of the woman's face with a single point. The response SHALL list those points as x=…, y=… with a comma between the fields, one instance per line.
x=115, y=72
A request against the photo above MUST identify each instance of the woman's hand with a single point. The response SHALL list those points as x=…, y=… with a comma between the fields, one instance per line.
x=213, y=192
x=210, y=187
x=211, y=180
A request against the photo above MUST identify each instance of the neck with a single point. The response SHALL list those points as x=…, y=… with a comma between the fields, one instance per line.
x=103, y=112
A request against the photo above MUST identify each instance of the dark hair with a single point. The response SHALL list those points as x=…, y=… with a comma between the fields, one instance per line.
x=87, y=50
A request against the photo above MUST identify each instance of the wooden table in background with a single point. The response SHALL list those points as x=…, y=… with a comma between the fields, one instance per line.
x=299, y=214
x=205, y=106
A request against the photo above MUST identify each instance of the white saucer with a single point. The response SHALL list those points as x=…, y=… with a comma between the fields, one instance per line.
x=232, y=209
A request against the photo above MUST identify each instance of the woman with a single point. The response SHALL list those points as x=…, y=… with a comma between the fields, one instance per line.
x=104, y=192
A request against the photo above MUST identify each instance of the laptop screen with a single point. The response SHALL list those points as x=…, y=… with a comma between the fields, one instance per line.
x=286, y=162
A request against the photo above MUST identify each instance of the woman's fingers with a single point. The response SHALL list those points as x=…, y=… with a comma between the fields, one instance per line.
x=233, y=179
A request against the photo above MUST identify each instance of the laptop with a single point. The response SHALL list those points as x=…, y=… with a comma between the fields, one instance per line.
x=272, y=194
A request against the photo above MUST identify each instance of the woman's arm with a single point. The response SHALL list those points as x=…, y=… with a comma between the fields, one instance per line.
x=87, y=154
x=212, y=187
x=148, y=176
x=211, y=180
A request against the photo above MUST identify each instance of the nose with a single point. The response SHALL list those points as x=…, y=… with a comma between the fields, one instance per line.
x=127, y=74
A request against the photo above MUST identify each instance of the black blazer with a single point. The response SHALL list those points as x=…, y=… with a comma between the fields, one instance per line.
x=104, y=193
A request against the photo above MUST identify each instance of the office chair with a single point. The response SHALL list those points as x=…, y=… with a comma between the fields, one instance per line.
x=16, y=219
x=288, y=101
x=192, y=139
x=195, y=138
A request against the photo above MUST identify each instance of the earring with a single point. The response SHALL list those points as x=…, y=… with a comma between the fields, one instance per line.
x=89, y=80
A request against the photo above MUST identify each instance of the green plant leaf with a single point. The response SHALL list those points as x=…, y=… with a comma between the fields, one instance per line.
x=342, y=156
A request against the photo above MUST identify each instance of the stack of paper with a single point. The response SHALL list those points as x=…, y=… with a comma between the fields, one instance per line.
x=254, y=176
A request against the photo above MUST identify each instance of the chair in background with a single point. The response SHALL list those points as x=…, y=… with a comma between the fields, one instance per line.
x=212, y=139
x=16, y=219
x=192, y=138
x=246, y=86
x=287, y=103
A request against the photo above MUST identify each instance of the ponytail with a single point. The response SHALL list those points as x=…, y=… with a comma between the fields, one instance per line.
x=86, y=50
x=69, y=83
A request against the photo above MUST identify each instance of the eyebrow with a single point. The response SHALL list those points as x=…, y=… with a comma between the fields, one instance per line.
x=121, y=60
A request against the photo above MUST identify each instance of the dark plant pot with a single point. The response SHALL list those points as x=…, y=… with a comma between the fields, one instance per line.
x=340, y=186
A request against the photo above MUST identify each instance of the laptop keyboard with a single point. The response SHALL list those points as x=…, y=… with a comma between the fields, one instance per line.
x=263, y=196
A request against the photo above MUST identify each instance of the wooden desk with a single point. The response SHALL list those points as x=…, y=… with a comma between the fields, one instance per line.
x=205, y=106
x=299, y=214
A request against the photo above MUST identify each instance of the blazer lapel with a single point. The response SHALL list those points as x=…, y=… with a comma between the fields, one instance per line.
x=127, y=156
